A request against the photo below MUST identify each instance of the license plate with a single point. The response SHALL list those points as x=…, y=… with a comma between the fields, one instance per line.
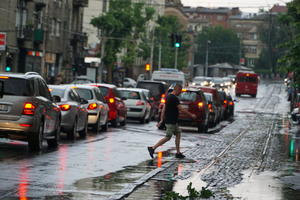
x=3, y=107
x=185, y=106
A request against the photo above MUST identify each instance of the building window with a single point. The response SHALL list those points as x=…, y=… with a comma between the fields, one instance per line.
x=58, y=24
x=53, y=27
x=250, y=49
x=220, y=18
x=250, y=62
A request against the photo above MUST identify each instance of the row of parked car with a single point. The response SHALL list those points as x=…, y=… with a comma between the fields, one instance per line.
x=209, y=104
x=31, y=110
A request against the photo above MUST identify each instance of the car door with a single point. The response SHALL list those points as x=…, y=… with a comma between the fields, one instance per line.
x=82, y=113
x=103, y=105
x=49, y=108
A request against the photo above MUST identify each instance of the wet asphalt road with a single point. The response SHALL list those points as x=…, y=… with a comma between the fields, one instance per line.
x=110, y=164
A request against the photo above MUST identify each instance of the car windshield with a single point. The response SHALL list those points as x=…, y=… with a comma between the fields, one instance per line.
x=155, y=88
x=57, y=92
x=104, y=90
x=129, y=94
x=247, y=79
x=188, y=96
x=84, y=93
x=16, y=87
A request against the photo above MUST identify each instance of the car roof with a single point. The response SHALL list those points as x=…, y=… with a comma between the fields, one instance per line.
x=157, y=82
x=101, y=85
x=133, y=89
x=60, y=86
x=21, y=75
x=82, y=86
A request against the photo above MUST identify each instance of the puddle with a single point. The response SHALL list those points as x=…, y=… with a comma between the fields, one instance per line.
x=113, y=183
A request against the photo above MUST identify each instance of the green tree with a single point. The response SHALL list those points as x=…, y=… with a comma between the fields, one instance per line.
x=223, y=46
x=272, y=34
x=290, y=61
x=166, y=25
x=121, y=27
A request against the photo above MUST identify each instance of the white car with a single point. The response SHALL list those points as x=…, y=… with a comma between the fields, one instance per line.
x=138, y=106
x=97, y=107
x=129, y=83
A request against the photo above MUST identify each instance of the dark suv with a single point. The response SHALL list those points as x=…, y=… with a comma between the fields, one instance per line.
x=27, y=110
x=157, y=89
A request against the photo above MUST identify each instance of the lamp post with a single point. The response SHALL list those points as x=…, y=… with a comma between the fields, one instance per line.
x=206, y=58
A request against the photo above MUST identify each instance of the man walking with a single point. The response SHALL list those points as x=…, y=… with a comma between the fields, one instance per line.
x=170, y=114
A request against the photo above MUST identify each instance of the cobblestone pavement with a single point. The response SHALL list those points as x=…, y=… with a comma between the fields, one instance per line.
x=221, y=159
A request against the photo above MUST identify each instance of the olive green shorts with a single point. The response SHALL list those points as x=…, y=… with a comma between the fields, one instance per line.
x=172, y=129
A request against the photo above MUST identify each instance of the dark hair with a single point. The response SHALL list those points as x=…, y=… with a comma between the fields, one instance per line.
x=178, y=86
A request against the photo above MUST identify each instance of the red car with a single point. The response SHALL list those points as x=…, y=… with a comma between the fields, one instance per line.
x=194, y=101
x=117, y=109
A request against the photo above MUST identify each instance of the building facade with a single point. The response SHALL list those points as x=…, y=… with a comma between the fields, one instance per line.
x=44, y=36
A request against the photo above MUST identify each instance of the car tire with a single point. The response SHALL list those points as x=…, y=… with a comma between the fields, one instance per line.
x=35, y=140
x=114, y=123
x=142, y=120
x=84, y=131
x=253, y=95
x=104, y=127
x=202, y=128
x=238, y=95
x=72, y=133
x=97, y=127
x=123, y=123
x=54, y=142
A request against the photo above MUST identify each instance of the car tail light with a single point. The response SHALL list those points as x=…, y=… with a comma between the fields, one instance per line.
x=163, y=98
x=200, y=104
x=231, y=103
x=65, y=107
x=210, y=108
x=140, y=103
x=225, y=101
x=28, y=109
x=111, y=100
x=92, y=106
x=26, y=125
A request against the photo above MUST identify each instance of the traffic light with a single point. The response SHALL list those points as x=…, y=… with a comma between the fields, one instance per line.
x=8, y=69
x=8, y=64
x=176, y=40
x=147, y=67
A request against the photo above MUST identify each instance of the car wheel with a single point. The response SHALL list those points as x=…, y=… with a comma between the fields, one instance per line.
x=115, y=122
x=35, y=140
x=97, y=127
x=72, y=133
x=54, y=142
x=104, y=127
x=202, y=128
x=238, y=95
x=84, y=131
x=123, y=123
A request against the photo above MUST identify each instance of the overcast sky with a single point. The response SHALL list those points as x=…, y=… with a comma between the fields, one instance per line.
x=245, y=5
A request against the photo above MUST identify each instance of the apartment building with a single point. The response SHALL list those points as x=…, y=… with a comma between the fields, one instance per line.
x=44, y=36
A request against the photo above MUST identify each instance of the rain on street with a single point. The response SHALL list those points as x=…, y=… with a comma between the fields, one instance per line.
x=257, y=149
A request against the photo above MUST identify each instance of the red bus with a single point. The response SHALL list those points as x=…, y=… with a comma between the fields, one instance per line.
x=246, y=83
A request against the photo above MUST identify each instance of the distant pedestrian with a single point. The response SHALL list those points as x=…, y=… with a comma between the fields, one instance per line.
x=169, y=115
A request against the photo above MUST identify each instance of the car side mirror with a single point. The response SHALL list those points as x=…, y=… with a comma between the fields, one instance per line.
x=56, y=99
x=83, y=101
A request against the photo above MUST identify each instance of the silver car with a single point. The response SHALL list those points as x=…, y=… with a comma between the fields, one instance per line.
x=138, y=106
x=28, y=112
x=96, y=106
x=74, y=114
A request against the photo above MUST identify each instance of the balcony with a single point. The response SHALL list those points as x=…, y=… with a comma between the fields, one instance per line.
x=81, y=3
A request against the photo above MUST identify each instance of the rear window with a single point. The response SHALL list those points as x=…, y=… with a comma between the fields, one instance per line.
x=188, y=96
x=84, y=93
x=58, y=92
x=104, y=90
x=129, y=94
x=156, y=89
x=247, y=79
x=17, y=87
x=208, y=96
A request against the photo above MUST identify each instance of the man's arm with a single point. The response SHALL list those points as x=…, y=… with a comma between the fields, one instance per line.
x=181, y=109
x=162, y=114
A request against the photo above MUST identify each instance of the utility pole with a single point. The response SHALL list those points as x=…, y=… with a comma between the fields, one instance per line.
x=159, y=56
x=43, y=63
x=151, y=55
x=176, y=55
x=206, y=58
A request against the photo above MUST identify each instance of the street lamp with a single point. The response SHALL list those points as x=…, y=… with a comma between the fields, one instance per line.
x=206, y=58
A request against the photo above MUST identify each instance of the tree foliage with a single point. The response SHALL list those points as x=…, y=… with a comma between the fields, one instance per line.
x=122, y=27
x=224, y=46
x=291, y=59
x=272, y=33
x=166, y=25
